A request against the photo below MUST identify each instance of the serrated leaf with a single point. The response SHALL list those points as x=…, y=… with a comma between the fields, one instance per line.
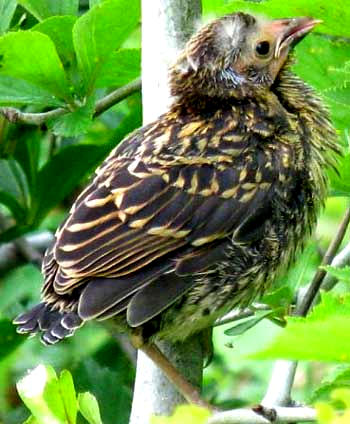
x=43, y=9
x=68, y=395
x=39, y=390
x=339, y=273
x=99, y=32
x=17, y=51
x=17, y=92
x=89, y=409
x=75, y=162
x=122, y=67
x=319, y=336
x=7, y=10
x=59, y=29
x=185, y=414
x=74, y=123
x=246, y=324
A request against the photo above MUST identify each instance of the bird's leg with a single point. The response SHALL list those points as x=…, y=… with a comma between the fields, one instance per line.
x=187, y=390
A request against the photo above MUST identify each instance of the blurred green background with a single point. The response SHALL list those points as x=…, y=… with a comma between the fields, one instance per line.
x=99, y=363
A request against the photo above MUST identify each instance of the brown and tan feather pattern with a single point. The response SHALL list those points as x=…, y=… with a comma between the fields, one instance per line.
x=198, y=211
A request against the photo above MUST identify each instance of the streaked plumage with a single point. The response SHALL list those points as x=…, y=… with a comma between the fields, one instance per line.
x=197, y=212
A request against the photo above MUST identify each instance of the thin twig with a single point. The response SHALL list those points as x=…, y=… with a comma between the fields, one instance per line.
x=281, y=381
x=10, y=257
x=117, y=96
x=188, y=390
x=316, y=283
x=29, y=253
x=15, y=115
x=341, y=260
x=279, y=414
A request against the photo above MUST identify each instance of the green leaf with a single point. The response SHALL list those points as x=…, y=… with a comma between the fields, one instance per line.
x=27, y=154
x=21, y=283
x=59, y=29
x=247, y=323
x=185, y=414
x=282, y=296
x=17, y=92
x=74, y=162
x=13, y=205
x=339, y=273
x=9, y=339
x=7, y=10
x=101, y=381
x=14, y=187
x=43, y=9
x=89, y=409
x=341, y=183
x=93, y=3
x=319, y=336
x=17, y=53
x=40, y=392
x=339, y=378
x=31, y=420
x=101, y=31
x=330, y=413
x=122, y=67
x=68, y=395
x=303, y=269
x=74, y=123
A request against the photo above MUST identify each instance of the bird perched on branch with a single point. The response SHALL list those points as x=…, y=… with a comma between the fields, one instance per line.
x=197, y=212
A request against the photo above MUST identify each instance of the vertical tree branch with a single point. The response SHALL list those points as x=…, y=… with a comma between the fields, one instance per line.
x=166, y=25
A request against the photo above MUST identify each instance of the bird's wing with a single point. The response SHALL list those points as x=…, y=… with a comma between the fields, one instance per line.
x=141, y=218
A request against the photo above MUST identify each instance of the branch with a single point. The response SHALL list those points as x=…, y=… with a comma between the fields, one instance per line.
x=313, y=289
x=10, y=257
x=264, y=416
x=341, y=260
x=117, y=96
x=282, y=378
x=15, y=115
x=166, y=25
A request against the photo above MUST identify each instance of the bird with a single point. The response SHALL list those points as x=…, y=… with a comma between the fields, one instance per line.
x=199, y=211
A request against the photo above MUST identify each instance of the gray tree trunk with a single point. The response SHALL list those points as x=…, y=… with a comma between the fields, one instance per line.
x=166, y=25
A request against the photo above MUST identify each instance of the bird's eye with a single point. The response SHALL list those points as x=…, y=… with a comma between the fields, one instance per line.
x=263, y=48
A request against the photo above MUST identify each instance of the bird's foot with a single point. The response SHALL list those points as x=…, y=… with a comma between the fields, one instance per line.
x=187, y=390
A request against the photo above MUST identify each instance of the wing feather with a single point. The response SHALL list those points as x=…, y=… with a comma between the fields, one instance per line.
x=139, y=219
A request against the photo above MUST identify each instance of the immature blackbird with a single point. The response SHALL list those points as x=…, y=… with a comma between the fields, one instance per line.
x=199, y=211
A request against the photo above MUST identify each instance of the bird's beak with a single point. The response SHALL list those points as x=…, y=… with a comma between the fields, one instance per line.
x=289, y=32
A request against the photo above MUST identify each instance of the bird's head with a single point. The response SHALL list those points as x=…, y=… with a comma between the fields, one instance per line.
x=235, y=55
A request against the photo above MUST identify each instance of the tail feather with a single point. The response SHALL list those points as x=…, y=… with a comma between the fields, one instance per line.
x=53, y=325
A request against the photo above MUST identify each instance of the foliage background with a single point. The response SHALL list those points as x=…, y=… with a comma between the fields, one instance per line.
x=57, y=54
